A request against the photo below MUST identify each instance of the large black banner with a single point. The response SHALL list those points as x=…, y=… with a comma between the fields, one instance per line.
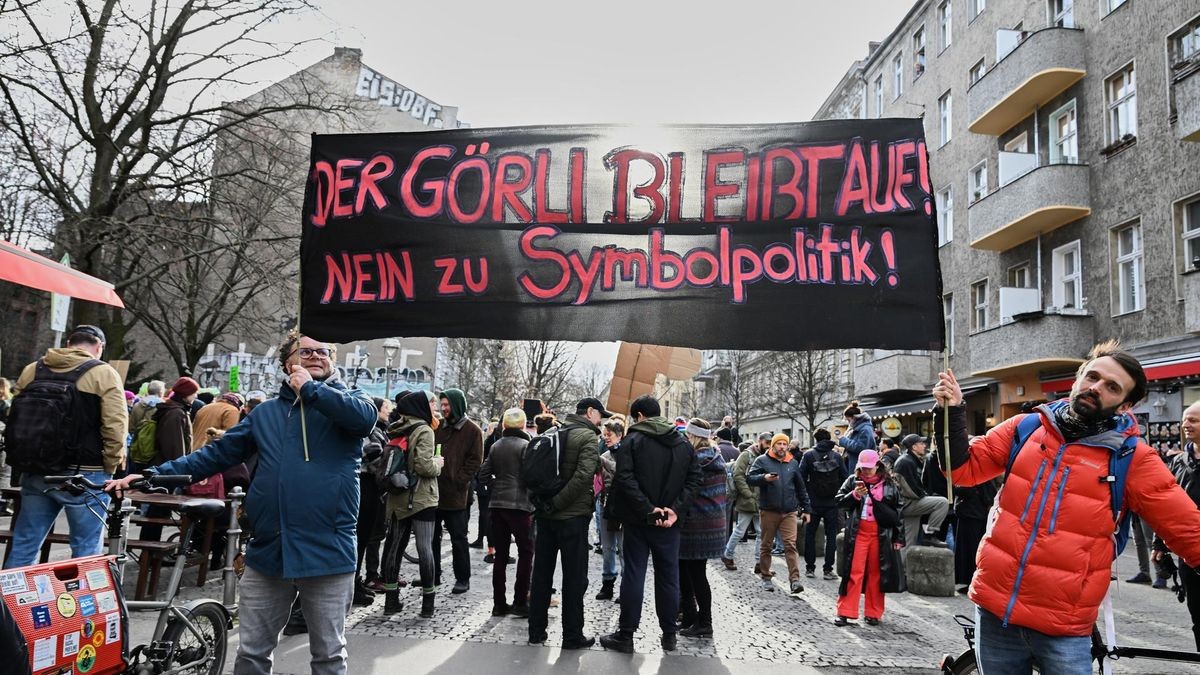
x=787, y=236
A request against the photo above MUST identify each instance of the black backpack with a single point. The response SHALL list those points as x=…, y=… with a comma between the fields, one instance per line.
x=825, y=479
x=392, y=471
x=541, y=465
x=49, y=421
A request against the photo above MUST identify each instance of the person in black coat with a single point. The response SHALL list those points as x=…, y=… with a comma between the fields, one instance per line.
x=874, y=536
x=971, y=507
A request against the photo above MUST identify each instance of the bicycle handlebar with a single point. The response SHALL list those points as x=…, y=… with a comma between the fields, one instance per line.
x=144, y=482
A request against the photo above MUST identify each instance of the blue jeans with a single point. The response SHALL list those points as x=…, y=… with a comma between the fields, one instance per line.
x=1003, y=651
x=39, y=509
x=739, y=530
x=610, y=543
x=661, y=544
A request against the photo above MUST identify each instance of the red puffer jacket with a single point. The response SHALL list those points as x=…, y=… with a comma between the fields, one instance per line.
x=1045, y=561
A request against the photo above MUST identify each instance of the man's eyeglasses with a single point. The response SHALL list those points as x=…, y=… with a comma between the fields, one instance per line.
x=309, y=352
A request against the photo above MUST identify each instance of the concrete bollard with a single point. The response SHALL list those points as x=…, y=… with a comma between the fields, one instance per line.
x=930, y=571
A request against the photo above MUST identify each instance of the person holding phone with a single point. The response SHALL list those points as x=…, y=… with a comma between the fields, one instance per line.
x=781, y=497
x=874, y=533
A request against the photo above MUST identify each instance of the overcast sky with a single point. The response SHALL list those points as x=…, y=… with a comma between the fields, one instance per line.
x=637, y=61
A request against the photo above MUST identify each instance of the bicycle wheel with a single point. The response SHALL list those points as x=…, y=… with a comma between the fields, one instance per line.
x=410, y=553
x=209, y=620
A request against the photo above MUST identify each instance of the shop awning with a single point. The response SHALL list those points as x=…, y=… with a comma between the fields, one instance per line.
x=30, y=269
x=911, y=406
x=1187, y=365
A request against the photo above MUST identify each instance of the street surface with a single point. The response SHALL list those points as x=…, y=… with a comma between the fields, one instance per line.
x=756, y=631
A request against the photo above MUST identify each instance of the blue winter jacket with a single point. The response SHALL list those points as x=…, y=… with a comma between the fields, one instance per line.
x=303, y=512
x=860, y=436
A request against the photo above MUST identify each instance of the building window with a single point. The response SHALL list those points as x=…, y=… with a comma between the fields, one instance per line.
x=978, y=6
x=1019, y=276
x=1064, y=144
x=1018, y=143
x=879, y=96
x=1129, y=284
x=944, y=118
x=1107, y=6
x=919, y=52
x=1062, y=13
x=1191, y=235
x=1066, y=273
x=945, y=27
x=979, y=305
x=945, y=216
x=977, y=72
x=1185, y=44
x=1120, y=97
x=948, y=319
x=897, y=76
x=977, y=183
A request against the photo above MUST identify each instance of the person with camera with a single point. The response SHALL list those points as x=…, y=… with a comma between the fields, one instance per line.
x=658, y=476
x=874, y=531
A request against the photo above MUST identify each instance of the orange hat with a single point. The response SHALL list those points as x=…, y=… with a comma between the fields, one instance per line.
x=780, y=437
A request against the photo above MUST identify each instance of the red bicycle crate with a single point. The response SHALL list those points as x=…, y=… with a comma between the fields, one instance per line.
x=72, y=614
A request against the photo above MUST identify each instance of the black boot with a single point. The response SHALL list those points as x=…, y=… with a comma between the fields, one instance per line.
x=606, y=589
x=391, y=603
x=362, y=595
x=427, y=605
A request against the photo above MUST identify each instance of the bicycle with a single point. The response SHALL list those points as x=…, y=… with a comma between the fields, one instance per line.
x=192, y=637
x=966, y=662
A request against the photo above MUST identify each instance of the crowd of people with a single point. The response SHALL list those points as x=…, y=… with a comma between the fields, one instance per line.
x=549, y=489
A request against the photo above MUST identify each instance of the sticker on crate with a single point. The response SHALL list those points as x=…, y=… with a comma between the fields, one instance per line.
x=45, y=652
x=12, y=582
x=106, y=601
x=97, y=579
x=41, y=616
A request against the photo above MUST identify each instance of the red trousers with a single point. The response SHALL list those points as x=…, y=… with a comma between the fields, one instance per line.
x=864, y=575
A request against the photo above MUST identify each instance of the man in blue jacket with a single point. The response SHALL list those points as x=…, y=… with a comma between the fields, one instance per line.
x=301, y=544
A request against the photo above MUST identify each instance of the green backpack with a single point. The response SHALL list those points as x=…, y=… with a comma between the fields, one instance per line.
x=142, y=449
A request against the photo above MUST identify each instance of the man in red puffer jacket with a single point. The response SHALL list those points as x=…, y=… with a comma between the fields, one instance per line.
x=1044, y=564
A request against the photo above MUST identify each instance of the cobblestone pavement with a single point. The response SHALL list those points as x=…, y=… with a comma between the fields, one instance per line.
x=754, y=628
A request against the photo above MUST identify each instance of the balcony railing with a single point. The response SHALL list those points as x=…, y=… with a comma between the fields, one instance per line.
x=1038, y=201
x=1036, y=343
x=1033, y=69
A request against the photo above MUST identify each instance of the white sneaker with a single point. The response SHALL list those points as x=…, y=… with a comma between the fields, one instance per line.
x=768, y=586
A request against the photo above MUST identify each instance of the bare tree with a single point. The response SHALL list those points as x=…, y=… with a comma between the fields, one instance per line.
x=543, y=369
x=807, y=383
x=114, y=108
x=729, y=391
x=478, y=367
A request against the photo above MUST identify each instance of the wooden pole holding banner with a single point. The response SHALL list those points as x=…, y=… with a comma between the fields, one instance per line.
x=299, y=313
x=946, y=433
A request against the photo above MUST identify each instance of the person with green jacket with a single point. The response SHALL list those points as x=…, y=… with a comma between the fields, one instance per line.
x=562, y=527
x=412, y=510
x=746, y=503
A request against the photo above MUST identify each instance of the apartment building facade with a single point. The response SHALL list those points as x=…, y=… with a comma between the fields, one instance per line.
x=1064, y=152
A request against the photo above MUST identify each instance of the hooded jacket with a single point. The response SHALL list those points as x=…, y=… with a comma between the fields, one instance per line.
x=786, y=495
x=656, y=468
x=860, y=436
x=746, y=500
x=580, y=459
x=1045, y=560
x=303, y=511
x=501, y=472
x=423, y=495
x=462, y=447
x=172, y=430
x=101, y=385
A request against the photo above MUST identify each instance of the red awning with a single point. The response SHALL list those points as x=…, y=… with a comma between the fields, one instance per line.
x=1182, y=367
x=30, y=269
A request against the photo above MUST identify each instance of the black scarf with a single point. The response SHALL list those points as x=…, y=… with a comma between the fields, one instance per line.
x=1074, y=427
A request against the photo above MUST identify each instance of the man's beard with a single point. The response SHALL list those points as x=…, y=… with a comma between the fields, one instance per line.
x=1092, y=414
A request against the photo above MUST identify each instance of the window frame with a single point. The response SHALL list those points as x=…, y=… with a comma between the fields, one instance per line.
x=971, y=195
x=945, y=215
x=1178, y=37
x=1137, y=259
x=945, y=18
x=879, y=96
x=977, y=7
x=948, y=320
x=945, y=118
x=1112, y=134
x=1024, y=268
x=1056, y=156
x=1059, y=277
x=1055, y=17
x=981, y=65
x=1109, y=6
x=980, y=310
x=897, y=76
x=920, y=43
x=1189, y=237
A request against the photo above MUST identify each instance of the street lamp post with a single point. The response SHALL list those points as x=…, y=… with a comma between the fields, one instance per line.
x=390, y=347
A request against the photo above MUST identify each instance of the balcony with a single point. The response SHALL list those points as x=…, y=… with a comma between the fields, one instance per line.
x=1037, y=201
x=894, y=373
x=1187, y=103
x=1041, y=66
x=1035, y=343
x=1191, y=302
